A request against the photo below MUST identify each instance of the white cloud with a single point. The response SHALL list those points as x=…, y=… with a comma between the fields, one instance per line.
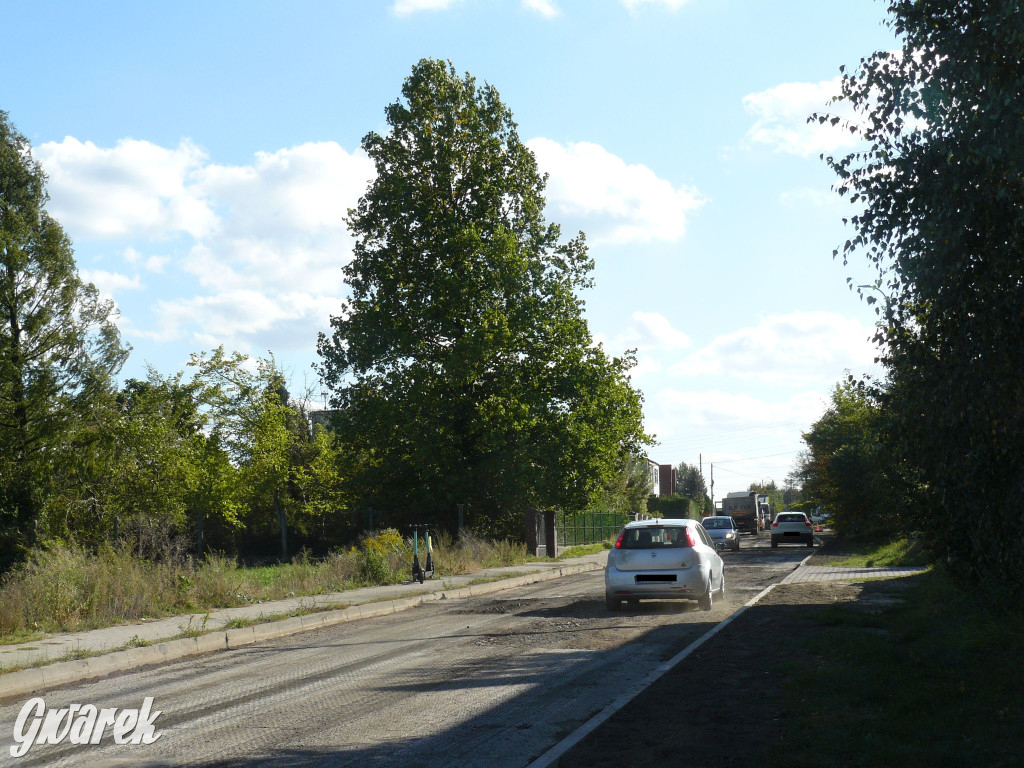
x=156, y=263
x=613, y=200
x=308, y=187
x=647, y=331
x=645, y=365
x=545, y=8
x=746, y=437
x=249, y=319
x=747, y=396
x=407, y=7
x=671, y=5
x=133, y=189
x=110, y=283
x=274, y=228
x=269, y=235
x=780, y=118
x=282, y=220
x=151, y=263
x=799, y=348
x=722, y=412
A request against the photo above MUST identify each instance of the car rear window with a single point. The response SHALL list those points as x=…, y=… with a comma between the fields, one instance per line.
x=654, y=537
x=791, y=518
x=723, y=522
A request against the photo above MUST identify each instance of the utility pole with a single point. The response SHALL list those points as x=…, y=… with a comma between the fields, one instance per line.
x=712, y=484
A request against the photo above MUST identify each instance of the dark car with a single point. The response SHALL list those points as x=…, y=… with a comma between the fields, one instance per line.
x=722, y=530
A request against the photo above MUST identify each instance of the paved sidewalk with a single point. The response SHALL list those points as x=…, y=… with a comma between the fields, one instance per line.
x=842, y=573
x=164, y=639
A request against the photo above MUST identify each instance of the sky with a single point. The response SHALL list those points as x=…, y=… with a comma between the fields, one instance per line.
x=202, y=157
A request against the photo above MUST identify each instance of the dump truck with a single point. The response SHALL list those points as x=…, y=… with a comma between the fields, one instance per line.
x=744, y=509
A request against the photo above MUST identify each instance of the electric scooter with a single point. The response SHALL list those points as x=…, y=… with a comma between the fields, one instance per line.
x=421, y=574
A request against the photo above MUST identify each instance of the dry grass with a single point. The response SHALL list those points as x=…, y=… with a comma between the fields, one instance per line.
x=63, y=587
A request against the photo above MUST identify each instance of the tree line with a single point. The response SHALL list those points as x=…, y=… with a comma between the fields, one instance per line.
x=463, y=377
x=936, y=445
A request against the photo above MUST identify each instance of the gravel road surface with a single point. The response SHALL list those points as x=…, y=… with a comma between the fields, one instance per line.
x=491, y=681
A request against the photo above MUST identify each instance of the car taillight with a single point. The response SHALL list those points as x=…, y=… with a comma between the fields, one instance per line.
x=691, y=540
x=775, y=524
x=618, y=541
x=807, y=522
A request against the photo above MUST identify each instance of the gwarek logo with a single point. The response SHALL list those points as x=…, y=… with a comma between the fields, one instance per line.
x=82, y=725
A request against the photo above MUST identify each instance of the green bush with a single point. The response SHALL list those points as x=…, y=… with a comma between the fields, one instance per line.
x=674, y=506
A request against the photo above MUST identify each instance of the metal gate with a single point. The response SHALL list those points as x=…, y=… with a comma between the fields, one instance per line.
x=578, y=528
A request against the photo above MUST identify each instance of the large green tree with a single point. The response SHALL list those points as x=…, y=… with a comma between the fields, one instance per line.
x=169, y=474
x=59, y=347
x=625, y=490
x=939, y=189
x=462, y=364
x=690, y=482
x=284, y=467
x=847, y=469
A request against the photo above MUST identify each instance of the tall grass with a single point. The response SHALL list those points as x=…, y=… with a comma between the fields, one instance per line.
x=876, y=552
x=933, y=679
x=64, y=587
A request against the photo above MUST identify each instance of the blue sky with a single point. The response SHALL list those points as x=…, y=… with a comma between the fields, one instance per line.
x=202, y=156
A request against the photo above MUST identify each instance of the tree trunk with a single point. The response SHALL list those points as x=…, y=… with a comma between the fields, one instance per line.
x=200, y=529
x=282, y=521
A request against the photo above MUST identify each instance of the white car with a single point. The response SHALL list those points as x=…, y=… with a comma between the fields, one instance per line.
x=792, y=528
x=663, y=560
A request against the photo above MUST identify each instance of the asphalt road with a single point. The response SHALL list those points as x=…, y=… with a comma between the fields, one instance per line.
x=490, y=681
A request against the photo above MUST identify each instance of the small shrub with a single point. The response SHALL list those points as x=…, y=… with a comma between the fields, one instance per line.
x=381, y=557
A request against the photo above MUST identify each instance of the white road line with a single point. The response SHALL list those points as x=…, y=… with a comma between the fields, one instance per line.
x=551, y=757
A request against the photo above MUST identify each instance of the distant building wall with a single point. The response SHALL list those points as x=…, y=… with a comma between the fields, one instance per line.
x=654, y=470
x=323, y=417
x=667, y=480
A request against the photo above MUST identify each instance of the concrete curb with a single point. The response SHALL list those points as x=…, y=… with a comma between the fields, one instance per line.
x=37, y=679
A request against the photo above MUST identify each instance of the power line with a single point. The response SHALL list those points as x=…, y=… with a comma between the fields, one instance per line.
x=758, y=477
x=730, y=437
x=744, y=474
x=754, y=458
x=760, y=428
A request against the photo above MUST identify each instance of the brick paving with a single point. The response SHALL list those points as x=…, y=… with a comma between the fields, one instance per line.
x=843, y=573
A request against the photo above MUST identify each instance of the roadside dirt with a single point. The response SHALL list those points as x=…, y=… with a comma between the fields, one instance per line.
x=720, y=706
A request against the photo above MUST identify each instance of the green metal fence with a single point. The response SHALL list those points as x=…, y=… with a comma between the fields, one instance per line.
x=577, y=528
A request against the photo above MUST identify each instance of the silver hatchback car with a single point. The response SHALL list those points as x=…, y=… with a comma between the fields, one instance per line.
x=722, y=530
x=663, y=560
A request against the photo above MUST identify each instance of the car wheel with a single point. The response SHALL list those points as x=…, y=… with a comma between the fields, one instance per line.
x=721, y=587
x=811, y=542
x=613, y=603
x=774, y=543
x=705, y=600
